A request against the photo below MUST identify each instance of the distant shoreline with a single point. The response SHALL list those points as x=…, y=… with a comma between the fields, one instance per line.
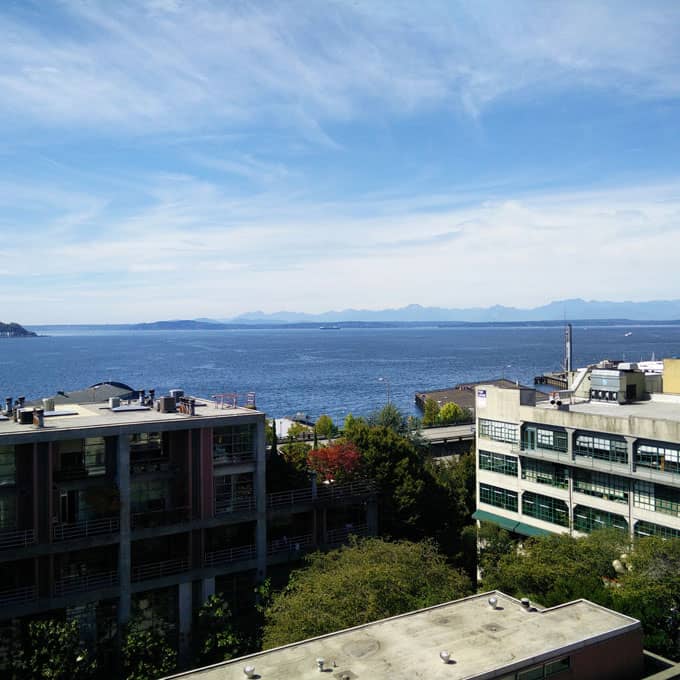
x=206, y=326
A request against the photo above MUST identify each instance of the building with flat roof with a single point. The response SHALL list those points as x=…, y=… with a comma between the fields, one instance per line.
x=143, y=506
x=605, y=453
x=481, y=637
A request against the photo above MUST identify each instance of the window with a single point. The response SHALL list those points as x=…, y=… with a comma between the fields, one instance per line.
x=601, y=485
x=542, y=472
x=648, y=529
x=83, y=456
x=546, y=508
x=557, y=666
x=148, y=495
x=498, y=462
x=233, y=443
x=657, y=497
x=7, y=465
x=588, y=519
x=8, y=512
x=501, y=498
x=498, y=431
x=542, y=438
x=601, y=447
x=535, y=673
x=659, y=456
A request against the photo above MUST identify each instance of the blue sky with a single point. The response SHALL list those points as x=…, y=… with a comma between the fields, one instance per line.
x=170, y=159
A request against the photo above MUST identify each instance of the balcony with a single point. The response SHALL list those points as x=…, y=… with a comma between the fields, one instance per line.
x=292, y=545
x=151, y=465
x=85, y=528
x=16, y=539
x=82, y=583
x=159, y=518
x=229, y=555
x=361, y=487
x=337, y=537
x=226, y=504
x=222, y=457
x=21, y=595
x=153, y=570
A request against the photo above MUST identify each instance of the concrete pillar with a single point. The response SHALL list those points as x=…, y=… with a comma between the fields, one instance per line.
x=570, y=442
x=124, y=552
x=372, y=517
x=630, y=448
x=259, y=444
x=185, y=601
x=207, y=588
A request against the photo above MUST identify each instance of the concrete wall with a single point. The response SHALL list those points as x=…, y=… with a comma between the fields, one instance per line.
x=671, y=376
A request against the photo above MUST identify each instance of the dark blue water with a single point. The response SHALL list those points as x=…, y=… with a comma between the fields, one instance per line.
x=313, y=370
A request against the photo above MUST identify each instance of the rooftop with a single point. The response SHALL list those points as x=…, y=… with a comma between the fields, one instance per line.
x=72, y=414
x=659, y=407
x=481, y=641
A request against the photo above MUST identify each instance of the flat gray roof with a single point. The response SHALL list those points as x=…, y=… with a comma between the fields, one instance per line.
x=657, y=409
x=481, y=641
x=99, y=415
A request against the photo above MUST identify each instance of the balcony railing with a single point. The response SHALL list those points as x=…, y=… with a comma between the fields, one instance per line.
x=323, y=492
x=88, y=527
x=225, y=458
x=144, y=572
x=139, y=467
x=18, y=595
x=159, y=518
x=16, y=539
x=227, y=504
x=340, y=536
x=79, y=472
x=228, y=555
x=292, y=545
x=82, y=583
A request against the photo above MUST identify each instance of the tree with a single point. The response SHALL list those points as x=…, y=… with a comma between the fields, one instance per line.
x=295, y=454
x=391, y=417
x=298, y=431
x=451, y=413
x=430, y=412
x=146, y=654
x=336, y=462
x=325, y=427
x=367, y=581
x=394, y=464
x=52, y=651
x=557, y=568
x=649, y=590
x=216, y=638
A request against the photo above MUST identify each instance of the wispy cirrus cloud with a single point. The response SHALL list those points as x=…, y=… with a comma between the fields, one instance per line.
x=173, y=66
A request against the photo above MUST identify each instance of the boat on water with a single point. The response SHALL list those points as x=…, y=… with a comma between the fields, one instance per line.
x=329, y=328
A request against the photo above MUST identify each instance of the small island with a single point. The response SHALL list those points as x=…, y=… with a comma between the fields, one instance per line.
x=14, y=330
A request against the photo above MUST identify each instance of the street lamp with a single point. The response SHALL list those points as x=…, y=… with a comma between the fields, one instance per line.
x=387, y=385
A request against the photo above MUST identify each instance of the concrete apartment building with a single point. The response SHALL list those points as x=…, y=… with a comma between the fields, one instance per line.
x=476, y=638
x=114, y=503
x=604, y=453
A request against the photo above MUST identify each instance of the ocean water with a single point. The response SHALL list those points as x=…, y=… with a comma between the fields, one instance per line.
x=312, y=370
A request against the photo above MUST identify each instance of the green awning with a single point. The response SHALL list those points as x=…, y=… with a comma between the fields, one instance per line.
x=528, y=530
x=502, y=522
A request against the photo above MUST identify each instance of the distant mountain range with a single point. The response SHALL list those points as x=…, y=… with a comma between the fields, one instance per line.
x=558, y=310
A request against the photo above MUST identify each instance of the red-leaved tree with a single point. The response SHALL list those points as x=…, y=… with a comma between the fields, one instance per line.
x=334, y=462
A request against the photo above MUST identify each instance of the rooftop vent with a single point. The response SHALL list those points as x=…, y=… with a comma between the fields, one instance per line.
x=445, y=656
x=167, y=405
x=320, y=664
x=493, y=602
x=176, y=393
x=249, y=671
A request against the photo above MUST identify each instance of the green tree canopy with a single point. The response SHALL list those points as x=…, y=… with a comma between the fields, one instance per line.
x=391, y=417
x=52, y=651
x=215, y=635
x=146, y=654
x=452, y=413
x=367, y=581
x=430, y=412
x=557, y=568
x=325, y=428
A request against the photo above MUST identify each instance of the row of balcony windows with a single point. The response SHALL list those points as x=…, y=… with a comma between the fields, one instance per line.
x=88, y=581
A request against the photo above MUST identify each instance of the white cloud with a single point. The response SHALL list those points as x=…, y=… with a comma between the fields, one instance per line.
x=171, y=65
